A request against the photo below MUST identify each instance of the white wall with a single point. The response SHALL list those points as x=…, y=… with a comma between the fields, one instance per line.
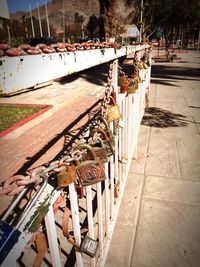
x=4, y=9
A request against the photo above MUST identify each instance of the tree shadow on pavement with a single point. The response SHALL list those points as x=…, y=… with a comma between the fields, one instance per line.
x=175, y=73
x=165, y=82
x=161, y=118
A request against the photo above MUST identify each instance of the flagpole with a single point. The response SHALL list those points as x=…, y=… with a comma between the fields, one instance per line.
x=47, y=19
x=41, y=34
x=33, y=31
x=63, y=21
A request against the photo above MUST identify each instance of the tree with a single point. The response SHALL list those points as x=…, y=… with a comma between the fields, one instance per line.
x=169, y=15
x=108, y=22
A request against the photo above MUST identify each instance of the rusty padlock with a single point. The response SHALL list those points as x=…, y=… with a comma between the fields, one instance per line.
x=116, y=190
x=113, y=112
x=89, y=171
x=67, y=176
x=100, y=150
x=123, y=83
x=106, y=141
x=133, y=86
x=79, y=190
x=107, y=130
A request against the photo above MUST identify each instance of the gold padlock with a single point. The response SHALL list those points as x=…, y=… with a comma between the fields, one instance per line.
x=113, y=112
x=66, y=177
x=89, y=171
x=107, y=130
x=133, y=86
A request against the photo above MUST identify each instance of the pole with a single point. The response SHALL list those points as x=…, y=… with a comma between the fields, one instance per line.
x=9, y=37
x=33, y=31
x=63, y=21
x=40, y=25
x=141, y=18
x=82, y=29
x=47, y=19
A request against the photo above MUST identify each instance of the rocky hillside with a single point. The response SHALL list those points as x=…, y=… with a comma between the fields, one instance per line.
x=85, y=9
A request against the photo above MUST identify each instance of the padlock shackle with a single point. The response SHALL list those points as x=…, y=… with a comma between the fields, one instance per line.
x=104, y=121
x=101, y=131
x=88, y=148
x=113, y=100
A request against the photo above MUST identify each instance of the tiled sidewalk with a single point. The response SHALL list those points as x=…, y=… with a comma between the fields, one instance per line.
x=158, y=224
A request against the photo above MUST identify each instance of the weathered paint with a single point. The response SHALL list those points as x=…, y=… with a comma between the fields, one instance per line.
x=23, y=72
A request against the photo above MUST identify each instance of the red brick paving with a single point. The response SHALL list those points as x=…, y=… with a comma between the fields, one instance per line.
x=21, y=150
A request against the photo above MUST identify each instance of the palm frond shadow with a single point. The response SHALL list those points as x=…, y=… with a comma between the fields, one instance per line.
x=161, y=118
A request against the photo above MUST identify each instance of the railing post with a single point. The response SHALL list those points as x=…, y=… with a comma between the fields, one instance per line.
x=52, y=238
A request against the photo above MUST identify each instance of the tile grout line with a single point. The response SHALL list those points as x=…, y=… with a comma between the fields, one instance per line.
x=180, y=203
x=179, y=162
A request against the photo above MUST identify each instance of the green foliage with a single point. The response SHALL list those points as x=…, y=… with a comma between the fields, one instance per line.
x=10, y=115
x=169, y=15
x=17, y=41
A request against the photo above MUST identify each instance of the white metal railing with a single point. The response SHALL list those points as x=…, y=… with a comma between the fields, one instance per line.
x=132, y=107
x=108, y=194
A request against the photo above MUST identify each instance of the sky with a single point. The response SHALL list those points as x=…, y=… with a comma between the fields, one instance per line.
x=23, y=5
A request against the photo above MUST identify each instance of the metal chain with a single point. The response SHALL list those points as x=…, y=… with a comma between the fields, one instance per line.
x=108, y=89
x=15, y=184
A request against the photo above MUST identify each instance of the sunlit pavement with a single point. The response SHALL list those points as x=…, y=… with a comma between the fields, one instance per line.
x=159, y=218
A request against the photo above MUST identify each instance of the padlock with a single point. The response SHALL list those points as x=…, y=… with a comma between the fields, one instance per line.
x=107, y=130
x=132, y=88
x=66, y=177
x=90, y=171
x=113, y=112
x=88, y=245
x=140, y=65
x=10, y=234
x=100, y=150
x=123, y=83
x=116, y=190
x=79, y=190
x=105, y=140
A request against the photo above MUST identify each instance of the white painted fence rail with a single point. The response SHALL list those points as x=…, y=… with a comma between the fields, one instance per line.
x=24, y=72
x=99, y=208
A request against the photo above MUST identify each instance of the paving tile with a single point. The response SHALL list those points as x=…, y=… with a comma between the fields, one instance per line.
x=120, y=250
x=163, y=158
x=130, y=200
x=138, y=165
x=177, y=190
x=189, y=156
x=168, y=235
